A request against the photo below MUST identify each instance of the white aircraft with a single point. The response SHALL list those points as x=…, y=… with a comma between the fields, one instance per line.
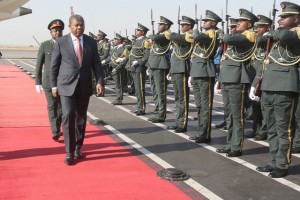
x=12, y=8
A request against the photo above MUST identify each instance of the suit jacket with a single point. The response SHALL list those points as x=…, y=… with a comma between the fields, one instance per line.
x=66, y=72
x=43, y=62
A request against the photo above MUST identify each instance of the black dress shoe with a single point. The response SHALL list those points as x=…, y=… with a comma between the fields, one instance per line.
x=180, y=130
x=116, y=103
x=295, y=149
x=250, y=135
x=173, y=127
x=234, y=153
x=158, y=121
x=223, y=124
x=278, y=173
x=223, y=150
x=225, y=127
x=261, y=136
x=69, y=159
x=266, y=168
x=139, y=113
x=202, y=140
x=78, y=154
x=193, y=137
x=151, y=119
x=55, y=136
x=134, y=111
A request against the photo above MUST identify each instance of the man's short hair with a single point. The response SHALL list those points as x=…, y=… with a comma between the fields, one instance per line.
x=78, y=18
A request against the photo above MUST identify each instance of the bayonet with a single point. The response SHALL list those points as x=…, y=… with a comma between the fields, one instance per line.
x=196, y=19
x=36, y=40
x=200, y=19
x=223, y=23
x=274, y=10
x=227, y=18
x=178, y=20
x=152, y=22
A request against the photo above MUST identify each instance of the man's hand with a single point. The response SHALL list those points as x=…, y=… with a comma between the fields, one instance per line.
x=39, y=89
x=190, y=81
x=120, y=60
x=216, y=89
x=169, y=77
x=54, y=92
x=100, y=89
x=252, y=96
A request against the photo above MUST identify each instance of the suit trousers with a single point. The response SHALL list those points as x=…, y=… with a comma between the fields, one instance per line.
x=280, y=108
x=74, y=109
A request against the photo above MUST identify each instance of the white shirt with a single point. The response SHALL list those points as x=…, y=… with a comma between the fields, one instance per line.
x=74, y=39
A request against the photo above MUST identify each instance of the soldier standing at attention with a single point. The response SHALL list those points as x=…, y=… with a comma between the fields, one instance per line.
x=118, y=67
x=180, y=69
x=160, y=65
x=280, y=89
x=202, y=75
x=42, y=79
x=137, y=61
x=259, y=125
x=235, y=77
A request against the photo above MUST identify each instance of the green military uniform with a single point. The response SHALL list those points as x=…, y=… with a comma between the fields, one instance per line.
x=203, y=76
x=159, y=64
x=137, y=61
x=42, y=77
x=280, y=86
x=180, y=68
x=118, y=68
x=131, y=91
x=235, y=78
x=296, y=139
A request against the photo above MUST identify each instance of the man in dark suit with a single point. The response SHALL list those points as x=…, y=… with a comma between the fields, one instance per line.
x=42, y=78
x=74, y=57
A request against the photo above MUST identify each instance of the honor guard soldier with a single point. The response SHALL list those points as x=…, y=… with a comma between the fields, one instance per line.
x=137, y=61
x=42, y=77
x=259, y=126
x=180, y=68
x=280, y=89
x=232, y=26
x=235, y=79
x=115, y=61
x=159, y=63
x=202, y=75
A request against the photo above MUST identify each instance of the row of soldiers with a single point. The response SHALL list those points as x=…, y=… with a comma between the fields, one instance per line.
x=247, y=57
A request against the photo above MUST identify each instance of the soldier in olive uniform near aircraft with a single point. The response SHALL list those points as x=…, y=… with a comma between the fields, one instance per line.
x=280, y=89
x=159, y=63
x=203, y=74
x=235, y=78
x=259, y=126
x=42, y=78
x=137, y=62
x=180, y=69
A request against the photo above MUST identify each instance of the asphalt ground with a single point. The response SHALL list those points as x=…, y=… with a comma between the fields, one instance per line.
x=213, y=175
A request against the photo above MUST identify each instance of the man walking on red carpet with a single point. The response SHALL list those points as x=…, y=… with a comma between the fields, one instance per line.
x=74, y=57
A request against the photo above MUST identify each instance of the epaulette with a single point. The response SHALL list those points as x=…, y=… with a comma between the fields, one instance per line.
x=147, y=44
x=125, y=53
x=167, y=34
x=211, y=33
x=188, y=35
x=251, y=36
x=105, y=46
x=297, y=30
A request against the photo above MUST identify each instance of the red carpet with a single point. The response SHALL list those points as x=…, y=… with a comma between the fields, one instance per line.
x=32, y=167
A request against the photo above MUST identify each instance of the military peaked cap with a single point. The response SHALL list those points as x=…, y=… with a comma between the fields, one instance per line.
x=142, y=28
x=118, y=36
x=164, y=20
x=233, y=21
x=56, y=23
x=187, y=20
x=263, y=20
x=289, y=8
x=247, y=15
x=101, y=33
x=209, y=15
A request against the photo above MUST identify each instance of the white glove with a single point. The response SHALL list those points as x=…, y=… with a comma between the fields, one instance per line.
x=134, y=63
x=190, y=82
x=39, y=89
x=216, y=90
x=169, y=77
x=252, y=96
x=119, y=60
x=147, y=72
x=103, y=62
x=113, y=70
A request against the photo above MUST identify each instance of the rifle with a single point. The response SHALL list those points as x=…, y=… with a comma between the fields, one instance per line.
x=227, y=18
x=178, y=20
x=200, y=19
x=223, y=23
x=257, y=90
x=196, y=19
x=152, y=22
x=36, y=40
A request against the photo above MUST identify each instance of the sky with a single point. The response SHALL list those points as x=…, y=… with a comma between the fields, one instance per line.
x=118, y=16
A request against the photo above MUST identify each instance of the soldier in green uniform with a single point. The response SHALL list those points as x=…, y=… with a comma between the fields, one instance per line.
x=137, y=62
x=115, y=61
x=203, y=74
x=131, y=90
x=259, y=126
x=159, y=65
x=280, y=88
x=42, y=77
x=180, y=69
x=235, y=78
